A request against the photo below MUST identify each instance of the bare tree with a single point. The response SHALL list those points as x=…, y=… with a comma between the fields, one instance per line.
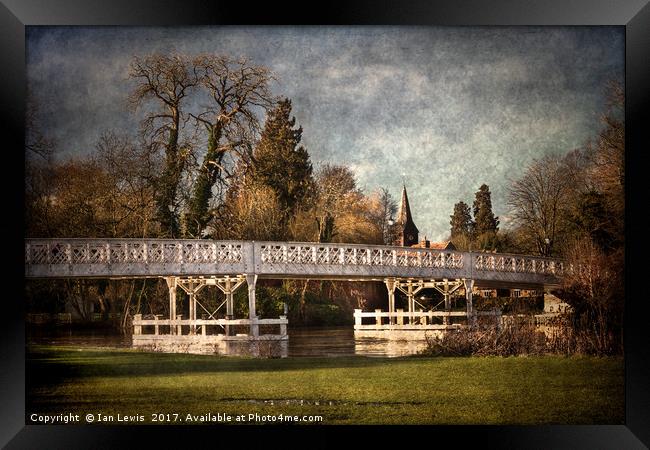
x=168, y=80
x=255, y=214
x=238, y=91
x=594, y=288
x=36, y=143
x=39, y=158
x=381, y=212
x=608, y=158
x=538, y=201
x=335, y=185
x=131, y=172
x=110, y=194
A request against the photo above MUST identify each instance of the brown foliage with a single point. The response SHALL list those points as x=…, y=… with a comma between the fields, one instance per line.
x=518, y=336
x=106, y=196
x=594, y=288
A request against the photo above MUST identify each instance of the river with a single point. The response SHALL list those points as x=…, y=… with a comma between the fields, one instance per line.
x=303, y=342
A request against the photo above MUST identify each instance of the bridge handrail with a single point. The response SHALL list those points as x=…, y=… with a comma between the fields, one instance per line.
x=517, y=263
x=355, y=254
x=267, y=254
x=111, y=250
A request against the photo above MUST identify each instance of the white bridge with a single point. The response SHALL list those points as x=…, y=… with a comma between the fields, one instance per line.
x=193, y=264
x=138, y=258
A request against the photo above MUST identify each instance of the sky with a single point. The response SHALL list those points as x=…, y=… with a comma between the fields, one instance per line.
x=439, y=109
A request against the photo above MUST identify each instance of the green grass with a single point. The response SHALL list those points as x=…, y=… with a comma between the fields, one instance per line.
x=348, y=390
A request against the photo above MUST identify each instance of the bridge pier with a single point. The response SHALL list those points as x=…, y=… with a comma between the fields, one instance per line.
x=251, y=280
x=171, y=284
x=210, y=334
x=390, y=285
x=469, y=286
x=192, y=287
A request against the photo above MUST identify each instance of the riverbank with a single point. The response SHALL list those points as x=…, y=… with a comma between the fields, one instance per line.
x=343, y=390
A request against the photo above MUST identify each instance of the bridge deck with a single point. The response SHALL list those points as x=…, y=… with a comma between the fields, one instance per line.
x=140, y=258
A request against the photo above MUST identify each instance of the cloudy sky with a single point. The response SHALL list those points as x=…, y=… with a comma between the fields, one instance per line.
x=443, y=109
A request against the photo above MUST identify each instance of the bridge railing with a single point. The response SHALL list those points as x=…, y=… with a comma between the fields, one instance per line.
x=113, y=251
x=517, y=264
x=166, y=257
x=156, y=326
x=417, y=320
x=355, y=254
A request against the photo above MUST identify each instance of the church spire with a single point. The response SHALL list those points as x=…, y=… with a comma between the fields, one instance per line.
x=405, y=208
x=409, y=235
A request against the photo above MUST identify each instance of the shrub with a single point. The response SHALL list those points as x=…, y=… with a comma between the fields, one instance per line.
x=520, y=335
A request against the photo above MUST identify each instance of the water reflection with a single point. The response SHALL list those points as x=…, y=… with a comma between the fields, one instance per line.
x=303, y=342
x=340, y=341
x=63, y=336
x=388, y=347
x=331, y=341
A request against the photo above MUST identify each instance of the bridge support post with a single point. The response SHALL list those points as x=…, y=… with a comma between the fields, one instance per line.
x=411, y=303
x=447, y=296
x=229, y=305
x=251, y=280
x=409, y=289
x=228, y=286
x=171, y=284
x=469, y=285
x=390, y=285
x=192, y=304
x=137, y=329
x=446, y=293
x=191, y=288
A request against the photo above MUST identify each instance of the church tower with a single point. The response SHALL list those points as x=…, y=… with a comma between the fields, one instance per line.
x=409, y=232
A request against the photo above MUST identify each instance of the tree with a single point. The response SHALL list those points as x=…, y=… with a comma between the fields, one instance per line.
x=538, y=202
x=593, y=288
x=386, y=211
x=280, y=163
x=167, y=79
x=608, y=161
x=36, y=143
x=486, y=225
x=255, y=214
x=484, y=219
x=39, y=159
x=461, y=223
x=340, y=208
x=591, y=218
x=110, y=194
x=131, y=170
x=238, y=91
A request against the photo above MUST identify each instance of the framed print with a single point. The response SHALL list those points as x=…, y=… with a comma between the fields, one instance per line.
x=422, y=215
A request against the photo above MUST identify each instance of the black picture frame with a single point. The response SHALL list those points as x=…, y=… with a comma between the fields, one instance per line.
x=634, y=15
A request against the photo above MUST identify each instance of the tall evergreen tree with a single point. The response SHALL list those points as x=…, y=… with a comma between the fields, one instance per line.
x=461, y=221
x=484, y=219
x=280, y=162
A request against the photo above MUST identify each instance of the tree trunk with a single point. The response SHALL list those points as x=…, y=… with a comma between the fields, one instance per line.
x=127, y=304
x=302, y=300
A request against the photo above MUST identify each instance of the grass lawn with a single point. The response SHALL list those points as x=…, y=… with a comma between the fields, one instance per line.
x=344, y=390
